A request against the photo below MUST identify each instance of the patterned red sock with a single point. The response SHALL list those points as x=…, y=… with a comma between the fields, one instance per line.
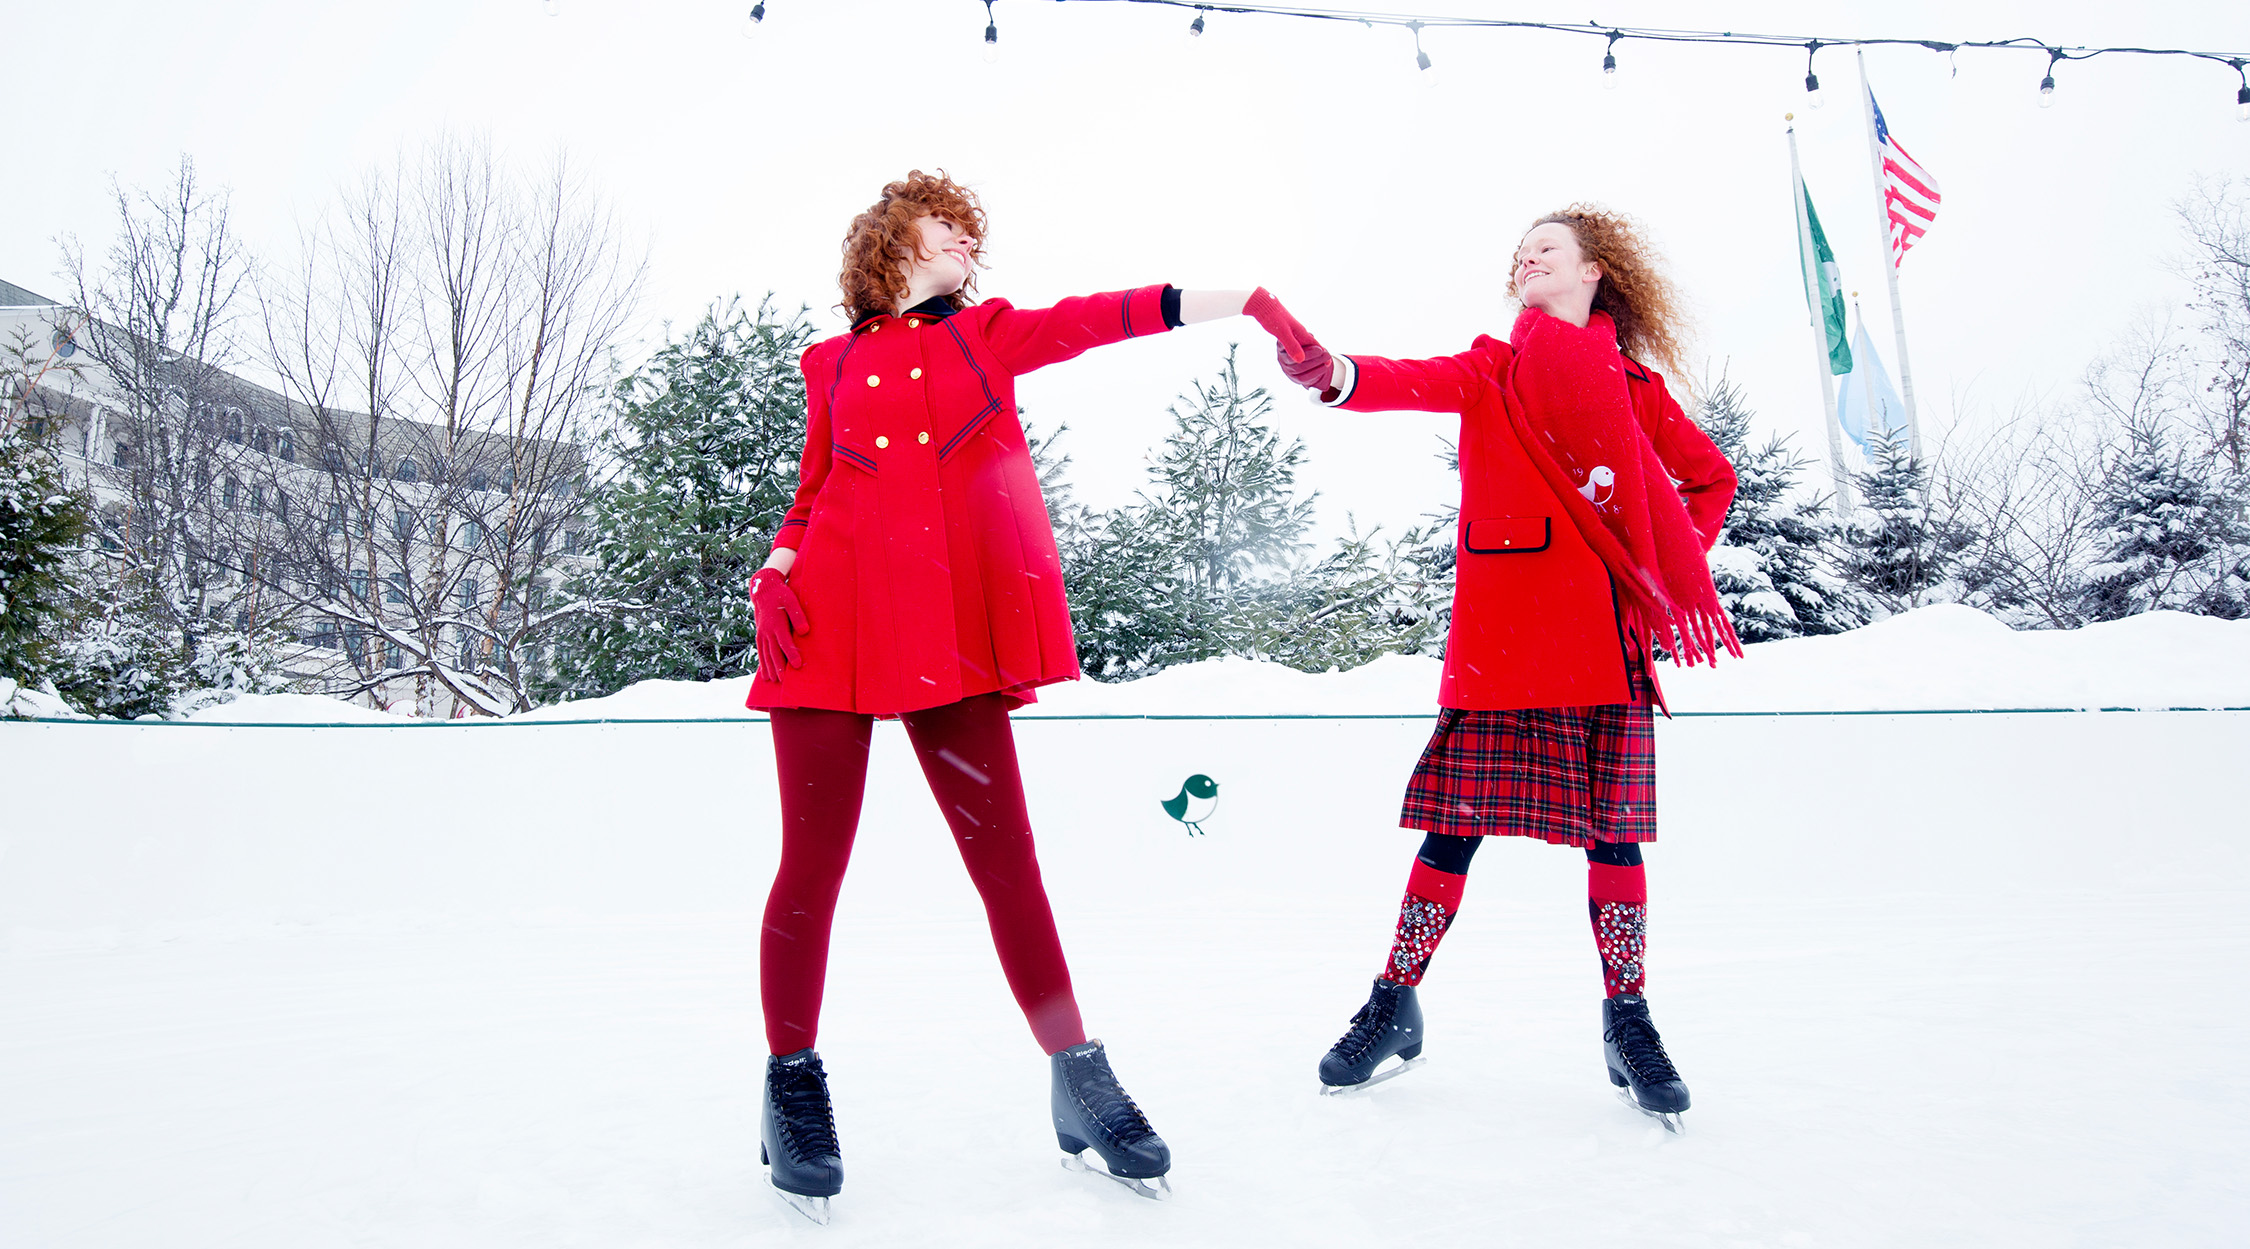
x=1432, y=899
x=1617, y=901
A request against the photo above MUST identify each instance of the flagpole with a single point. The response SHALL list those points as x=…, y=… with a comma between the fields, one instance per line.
x=1890, y=265
x=1805, y=261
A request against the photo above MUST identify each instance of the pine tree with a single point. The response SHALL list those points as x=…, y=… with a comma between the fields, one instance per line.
x=1190, y=570
x=41, y=524
x=705, y=454
x=1770, y=563
x=2171, y=535
x=1899, y=550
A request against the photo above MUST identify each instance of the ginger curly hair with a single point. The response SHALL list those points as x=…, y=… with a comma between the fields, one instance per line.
x=883, y=239
x=1633, y=291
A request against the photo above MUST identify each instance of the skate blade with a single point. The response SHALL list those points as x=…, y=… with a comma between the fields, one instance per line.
x=814, y=1208
x=1155, y=1190
x=1388, y=1073
x=1669, y=1118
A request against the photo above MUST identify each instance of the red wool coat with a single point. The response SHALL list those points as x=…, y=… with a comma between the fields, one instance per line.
x=1534, y=618
x=926, y=562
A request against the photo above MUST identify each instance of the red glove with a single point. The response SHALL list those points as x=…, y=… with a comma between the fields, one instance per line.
x=780, y=617
x=1302, y=357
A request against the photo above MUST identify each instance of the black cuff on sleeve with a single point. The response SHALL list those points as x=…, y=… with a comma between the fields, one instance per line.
x=1171, y=302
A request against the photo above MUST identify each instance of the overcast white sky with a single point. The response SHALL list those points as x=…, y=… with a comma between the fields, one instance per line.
x=1111, y=151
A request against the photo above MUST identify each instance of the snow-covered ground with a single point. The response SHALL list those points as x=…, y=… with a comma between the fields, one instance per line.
x=1936, y=979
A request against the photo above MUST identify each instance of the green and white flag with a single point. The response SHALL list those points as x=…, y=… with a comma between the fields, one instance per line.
x=1823, y=282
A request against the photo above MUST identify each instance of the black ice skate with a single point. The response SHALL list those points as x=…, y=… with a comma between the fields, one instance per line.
x=1093, y=1112
x=1638, y=1065
x=1390, y=1024
x=803, y=1162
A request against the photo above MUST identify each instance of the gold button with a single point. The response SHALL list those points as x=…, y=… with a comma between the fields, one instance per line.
x=881, y=442
x=914, y=325
x=924, y=436
x=916, y=375
x=873, y=380
x=876, y=326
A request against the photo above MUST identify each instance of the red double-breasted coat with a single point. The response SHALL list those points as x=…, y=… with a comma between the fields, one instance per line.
x=926, y=562
x=1534, y=616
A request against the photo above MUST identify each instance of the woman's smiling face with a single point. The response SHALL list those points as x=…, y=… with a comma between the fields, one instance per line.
x=1551, y=270
x=944, y=254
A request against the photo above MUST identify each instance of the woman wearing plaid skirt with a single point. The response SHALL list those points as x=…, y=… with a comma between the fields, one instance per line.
x=1588, y=502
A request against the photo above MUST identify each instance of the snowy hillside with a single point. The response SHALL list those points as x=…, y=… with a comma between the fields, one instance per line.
x=1936, y=980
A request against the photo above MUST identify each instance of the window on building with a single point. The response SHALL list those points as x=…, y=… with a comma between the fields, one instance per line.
x=468, y=594
x=38, y=427
x=281, y=504
x=257, y=499
x=359, y=587
x=407, y=471
x=395, y=588
x=402, y=525
x=242, y=620
x=355, y=644
x=393, y=658
x=286, y=446
x=331, y=457
x=478, y=481
x=121, y=454
x=65, y=346
x=229, y=491
x=570, y=542
x=335, y=516
x=472, y=534
x=230, y=425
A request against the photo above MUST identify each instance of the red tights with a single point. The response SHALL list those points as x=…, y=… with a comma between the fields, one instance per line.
x=968, y=755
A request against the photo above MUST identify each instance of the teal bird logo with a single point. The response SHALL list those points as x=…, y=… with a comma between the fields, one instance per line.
x=1197, y=798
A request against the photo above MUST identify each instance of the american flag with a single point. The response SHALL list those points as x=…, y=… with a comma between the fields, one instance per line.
x=1910, y=194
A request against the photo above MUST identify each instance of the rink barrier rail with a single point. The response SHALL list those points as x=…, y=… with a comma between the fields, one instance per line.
x=1422, y=715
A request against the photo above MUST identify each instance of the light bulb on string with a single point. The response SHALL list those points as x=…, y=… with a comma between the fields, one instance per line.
x=754, y=23
x=991, y=35
x=2047, y=84
x=1195, y=28
x=1609, y=62
x=2241, y=97
x=1812, y=80
x=1427, y=71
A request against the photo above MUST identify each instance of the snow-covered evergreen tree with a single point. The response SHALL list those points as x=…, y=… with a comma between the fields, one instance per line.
x=1210, y=559
x=705, y=457
x=2171, y=531
x=41, y=523
x=1770, y=565
x=1899, y=550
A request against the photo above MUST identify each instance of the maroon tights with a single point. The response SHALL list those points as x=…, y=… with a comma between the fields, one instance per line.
x=968, y=754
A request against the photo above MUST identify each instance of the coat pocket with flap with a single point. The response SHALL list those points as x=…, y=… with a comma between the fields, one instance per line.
x=1507, y=535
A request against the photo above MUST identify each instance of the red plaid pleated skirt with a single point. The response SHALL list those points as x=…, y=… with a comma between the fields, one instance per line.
x=1566, y=775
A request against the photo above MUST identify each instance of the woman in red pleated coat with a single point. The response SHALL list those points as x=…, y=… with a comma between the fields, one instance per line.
x=916, y=577
x=1588, y=503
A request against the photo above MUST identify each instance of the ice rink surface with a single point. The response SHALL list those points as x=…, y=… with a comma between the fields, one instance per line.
x=1934, y=980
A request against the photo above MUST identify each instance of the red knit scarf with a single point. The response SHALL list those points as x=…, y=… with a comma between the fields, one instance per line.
x=1566, y=397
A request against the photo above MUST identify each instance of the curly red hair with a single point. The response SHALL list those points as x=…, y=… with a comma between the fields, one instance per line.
x=1633, y=291
x=883, y=239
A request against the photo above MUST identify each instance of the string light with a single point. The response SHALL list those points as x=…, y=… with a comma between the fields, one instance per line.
x=1421, y=58
x=754, y=23
x=1812, y=80
x=991, y=35
x=2242, y=96
x=1614, y=35
x=1196, y=27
